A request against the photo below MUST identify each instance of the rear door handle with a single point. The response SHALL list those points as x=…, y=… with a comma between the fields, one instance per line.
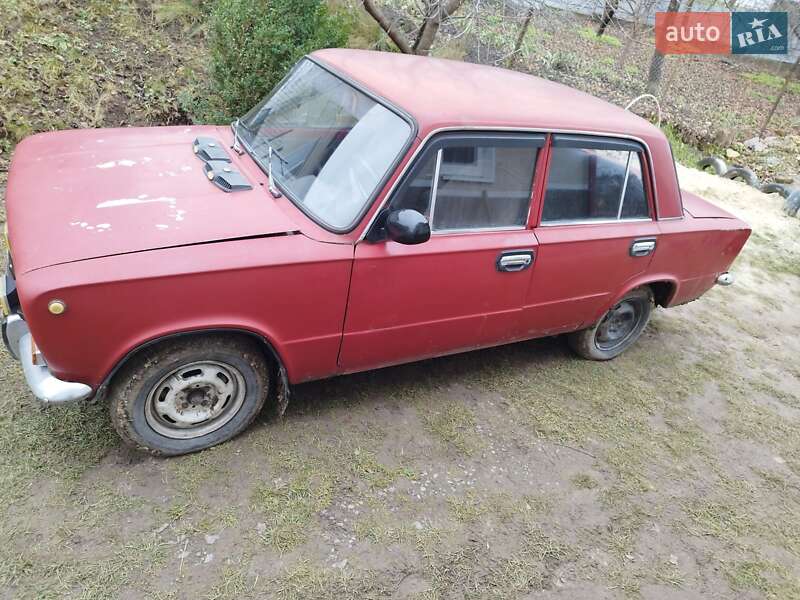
x=512, y=261
x=643, y=247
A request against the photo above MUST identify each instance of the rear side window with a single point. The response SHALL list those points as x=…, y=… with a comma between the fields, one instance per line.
x=467, y=183
x=593, y=179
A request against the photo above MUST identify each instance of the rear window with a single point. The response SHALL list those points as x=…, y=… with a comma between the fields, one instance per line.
x=594, y=180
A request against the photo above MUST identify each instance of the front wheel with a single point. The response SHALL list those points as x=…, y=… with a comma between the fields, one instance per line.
x=189, y=393
x=619, y=328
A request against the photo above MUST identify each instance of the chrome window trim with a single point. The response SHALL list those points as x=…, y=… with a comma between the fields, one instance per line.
x=479, y=230
x=435, y=184
x=541, y=130
x=594, y=222
x=624, y=185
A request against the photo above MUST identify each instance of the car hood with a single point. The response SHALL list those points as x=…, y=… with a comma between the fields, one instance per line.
x=700, y=208
x=76, y=195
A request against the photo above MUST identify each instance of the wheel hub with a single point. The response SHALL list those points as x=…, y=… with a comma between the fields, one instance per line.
x=195, y=399
x=617, y=325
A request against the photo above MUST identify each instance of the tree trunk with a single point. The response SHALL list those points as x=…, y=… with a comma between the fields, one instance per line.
x=430, y=26
x=395, y=34
x=427, y=35
x=775, y=104
x=523, y=31
x=654, y=75
x=608, y=14
x=657, y=62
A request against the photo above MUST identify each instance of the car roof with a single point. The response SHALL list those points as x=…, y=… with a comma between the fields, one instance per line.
x=440, y=94
x=445, y=93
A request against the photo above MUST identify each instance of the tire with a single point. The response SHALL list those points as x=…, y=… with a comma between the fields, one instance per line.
x=188, y=394
x=599, y=342
x=718, y=165
x=792, y=203
x=775, y=188
x=742, y=173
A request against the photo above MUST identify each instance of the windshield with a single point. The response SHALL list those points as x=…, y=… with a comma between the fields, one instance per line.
x=331, y=144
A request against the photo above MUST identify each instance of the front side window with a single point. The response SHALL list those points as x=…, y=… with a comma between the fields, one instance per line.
x=467, y=183
x=594, y=180
x=332, y=145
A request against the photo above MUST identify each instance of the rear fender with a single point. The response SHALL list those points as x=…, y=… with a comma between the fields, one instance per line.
x=640, y=281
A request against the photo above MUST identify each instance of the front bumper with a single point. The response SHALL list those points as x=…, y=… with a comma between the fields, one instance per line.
x=47, y=388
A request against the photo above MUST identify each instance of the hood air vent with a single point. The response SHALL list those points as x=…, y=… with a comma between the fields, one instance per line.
x=225, y=177
x=208, y=148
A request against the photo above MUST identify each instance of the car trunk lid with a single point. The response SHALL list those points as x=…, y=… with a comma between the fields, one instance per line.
x=699, y=208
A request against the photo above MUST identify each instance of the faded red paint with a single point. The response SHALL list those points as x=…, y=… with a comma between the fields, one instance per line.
x=330, y=303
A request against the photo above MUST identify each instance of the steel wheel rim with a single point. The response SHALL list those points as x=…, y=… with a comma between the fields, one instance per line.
x=195, y=399
x=618, y=325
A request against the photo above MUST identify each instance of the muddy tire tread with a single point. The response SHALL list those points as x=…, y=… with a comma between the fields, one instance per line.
x=125, y=385
x=582, y=342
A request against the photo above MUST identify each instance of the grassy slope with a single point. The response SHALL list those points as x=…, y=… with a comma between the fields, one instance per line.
x=90, y=63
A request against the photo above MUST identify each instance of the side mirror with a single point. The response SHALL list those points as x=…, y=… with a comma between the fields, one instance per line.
x=406, y=226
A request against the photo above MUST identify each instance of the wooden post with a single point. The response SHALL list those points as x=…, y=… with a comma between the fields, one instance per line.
x=523, y=31
x=775, y=104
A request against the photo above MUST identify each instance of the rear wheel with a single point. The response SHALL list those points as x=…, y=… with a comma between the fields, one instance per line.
x=189, y=393
x=619, y=328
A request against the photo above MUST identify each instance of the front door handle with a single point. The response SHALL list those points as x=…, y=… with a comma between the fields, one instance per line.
x=643, y=247
x=513, y=261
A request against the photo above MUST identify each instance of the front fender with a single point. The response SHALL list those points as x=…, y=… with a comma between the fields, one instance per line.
x=290, y=291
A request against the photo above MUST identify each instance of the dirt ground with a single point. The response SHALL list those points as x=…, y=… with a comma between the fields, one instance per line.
x=517, y=472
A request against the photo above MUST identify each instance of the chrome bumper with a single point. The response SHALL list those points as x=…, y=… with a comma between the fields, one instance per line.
x=47, y=388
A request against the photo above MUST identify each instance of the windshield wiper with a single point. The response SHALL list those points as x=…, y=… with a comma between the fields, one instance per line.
x=236, y=145
x=276, y=193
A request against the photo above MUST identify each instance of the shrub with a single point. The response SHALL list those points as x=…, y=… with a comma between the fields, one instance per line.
x=254, y=43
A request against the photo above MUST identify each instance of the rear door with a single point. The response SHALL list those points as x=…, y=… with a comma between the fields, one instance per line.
x=465, y=287
x=596, y=232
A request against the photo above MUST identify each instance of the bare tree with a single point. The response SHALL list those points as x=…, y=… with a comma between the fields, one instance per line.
x=434, y=13
x=523, y=31
x=789, y=75
x=609, y=9
x=640, y=10
x=657, y=62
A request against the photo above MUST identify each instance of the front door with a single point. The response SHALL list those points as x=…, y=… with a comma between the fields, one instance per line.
x=465, y=287
x=596, y=232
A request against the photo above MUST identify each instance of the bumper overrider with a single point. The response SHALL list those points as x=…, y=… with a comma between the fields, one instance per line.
x=47, y=388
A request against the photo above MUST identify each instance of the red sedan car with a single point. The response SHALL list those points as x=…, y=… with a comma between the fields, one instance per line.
x=375, y=209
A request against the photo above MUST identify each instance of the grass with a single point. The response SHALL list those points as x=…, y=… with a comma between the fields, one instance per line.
x=584, y=481
x=454, y=423
x=43, y=575
x=90, y=64
x=364, y=465
x=764, y=576
x=305, y=580
x=589, y=34
x=290, y=506
x=471, y=507
x=772, y=81
x=683, y=153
